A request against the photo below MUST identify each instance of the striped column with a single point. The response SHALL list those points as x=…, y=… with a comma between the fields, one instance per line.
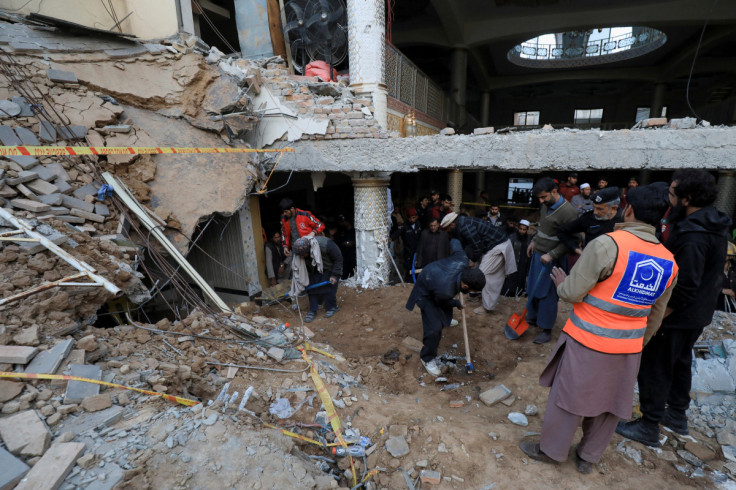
x=455, y=188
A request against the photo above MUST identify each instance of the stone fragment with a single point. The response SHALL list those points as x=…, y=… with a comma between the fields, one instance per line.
x=27, y=336
x=24, y=162
x=9, y=390
x=9, y=109
x=276, y=353
x=89, y=216
x=700, y=451
x=28, y=205
x=17, y=354
x=64, y=187
x=88, y=343
x=397, y=446
x=726, y=436
x=684, y=123
x=97, y=403
x=729, y=452
x=26, y=136
x=77, y=391
x=24, y=429
x=412, y=344
x=8, y=136
x=518, y=419
x=11, y=407
x=495, y=395
x=29, y=194
x=689, y=457
x=53, y=419
x=430, y=477
x=75, y=220
x=667, y=456
x=210, y=420
x=531, y=410
x=88, y=461
x=47, y=362
x=52, y=200
x=124, y=399
x=47, y=132
x=49, y=472
x=23, y=177
x=488, y=130
x=447, y=131
x=61, y=76
x=72, y=132
x=85, y=190
x=13, y=470
x=25, y=107
x=117, y=128
x=42, y=187
x=74, y=203
x=102, y=209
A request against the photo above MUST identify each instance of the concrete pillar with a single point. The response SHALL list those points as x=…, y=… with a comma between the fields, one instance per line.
x=480, y=182
x=371, y=229
x=658, y=100
x=455, y=187
x=366, y=52
x=726, y=200
x=485, y=109
x=458, y=80
x=645, y=177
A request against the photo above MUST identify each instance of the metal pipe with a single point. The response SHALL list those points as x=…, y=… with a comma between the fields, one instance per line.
x=43, y=287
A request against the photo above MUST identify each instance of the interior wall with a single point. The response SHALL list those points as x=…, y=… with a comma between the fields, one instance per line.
x=150, y=19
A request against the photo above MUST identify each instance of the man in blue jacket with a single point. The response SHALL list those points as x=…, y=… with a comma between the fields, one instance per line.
x=434, y=293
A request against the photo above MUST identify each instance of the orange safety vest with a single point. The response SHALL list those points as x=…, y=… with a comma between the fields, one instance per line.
x=612, y=318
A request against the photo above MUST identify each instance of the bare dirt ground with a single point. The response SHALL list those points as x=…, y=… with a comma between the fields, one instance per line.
x=372, y=324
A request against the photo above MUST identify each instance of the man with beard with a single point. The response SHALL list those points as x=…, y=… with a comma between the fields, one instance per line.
x=515, y=284
x=434, y=244
x=698, y=241
x=297, y=223
x=569, y=188
x=583, y=201
x=443, y=209
x=423, y=209
x=546, y=251
x=409, y=231
x=488, y=245
x=434, y=294
x=600, y=220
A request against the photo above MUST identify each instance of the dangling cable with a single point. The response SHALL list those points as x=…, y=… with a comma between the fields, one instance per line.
x=695, y=57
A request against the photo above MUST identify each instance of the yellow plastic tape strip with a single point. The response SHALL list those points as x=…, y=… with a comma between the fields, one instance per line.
x=308, y=346
x=371, y=473
x=172, y=398
x=299, y=436
x=44, y=151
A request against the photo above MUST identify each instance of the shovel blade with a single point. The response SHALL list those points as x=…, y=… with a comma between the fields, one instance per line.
x=516, y=326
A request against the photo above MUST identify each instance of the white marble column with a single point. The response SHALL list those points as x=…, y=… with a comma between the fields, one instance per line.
x=372, y=226
x=366, y=52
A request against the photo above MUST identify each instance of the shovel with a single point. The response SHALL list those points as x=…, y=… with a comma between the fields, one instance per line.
x=517, y=325
x=468, y=363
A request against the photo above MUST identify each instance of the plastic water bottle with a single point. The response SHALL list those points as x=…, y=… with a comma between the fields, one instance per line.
x=357, y=451
x=282, y=328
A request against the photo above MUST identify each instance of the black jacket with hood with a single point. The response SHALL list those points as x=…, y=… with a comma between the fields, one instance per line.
x=698, y=242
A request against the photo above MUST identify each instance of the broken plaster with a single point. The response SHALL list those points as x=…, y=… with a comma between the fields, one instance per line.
x=278, y=119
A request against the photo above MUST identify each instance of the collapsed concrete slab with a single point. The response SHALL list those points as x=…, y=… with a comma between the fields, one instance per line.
x=529, y=151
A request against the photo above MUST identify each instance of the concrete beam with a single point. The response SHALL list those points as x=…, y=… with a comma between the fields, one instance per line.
x=528, y=151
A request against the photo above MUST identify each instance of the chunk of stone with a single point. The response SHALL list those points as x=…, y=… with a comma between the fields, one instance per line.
x=8, y=136
x=412, y=344
x=276, y=353
x=117, y=128
x=397, y=446
x=97, y=403
x=85, y=190
x=74, y=203
x=488, y=130
x=729, y=452
x=9, y=390
x=531, y=410
x=9, y=109
x=88, y=343
x=28, y=205
x=495, y=395
x=47, y=362
x=26, y=136
x=72, y=132
x=518, y=419
x=87, y=461
x=25, y=106
x=52, y=200
x=17, y=354
x=47, y=131
x=24, y=162
x=24, y=429
x=430, y=477
x=102, y=209
x=61, y=76
x=77, y=391
x=42, y=187
x=58, y=170
x=63, y=186
x=27, y=336
x=13, y=470
x=447, y=131
x=49, y=472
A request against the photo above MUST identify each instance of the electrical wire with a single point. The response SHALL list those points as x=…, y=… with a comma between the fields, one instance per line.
x=214, y=28
x=695, y=57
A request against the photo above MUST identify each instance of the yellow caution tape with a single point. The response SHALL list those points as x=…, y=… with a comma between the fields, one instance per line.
x=308, y=346
x=172, y=398
x=44, y=151
x=300, y=437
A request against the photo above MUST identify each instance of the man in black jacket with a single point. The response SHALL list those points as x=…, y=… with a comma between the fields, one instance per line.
x=331, y=271
x=409, y=232
x=599, y=221
x=698, y=242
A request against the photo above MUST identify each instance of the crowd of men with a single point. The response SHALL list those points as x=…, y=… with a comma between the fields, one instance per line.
x=643, y=268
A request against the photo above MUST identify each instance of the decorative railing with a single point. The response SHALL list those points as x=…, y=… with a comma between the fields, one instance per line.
x=640, y=41
x=407, y=83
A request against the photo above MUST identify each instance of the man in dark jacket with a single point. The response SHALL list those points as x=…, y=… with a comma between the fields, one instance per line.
x=434, y=294
x=599, y=221
x=434, y=244
x=409, y=231
x=331, y=271
x=515, y=284
x=698, y=242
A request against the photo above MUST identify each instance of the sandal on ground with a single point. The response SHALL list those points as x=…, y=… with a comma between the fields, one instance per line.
x=310, y=316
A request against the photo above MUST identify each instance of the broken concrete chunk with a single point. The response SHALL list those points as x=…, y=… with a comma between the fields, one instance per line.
x=49, y=472
x=412, y=344
x=47, y=131
x=26, y=136
x=44, y=173
x=9, y=109
x=276, y=353
x=47, y=362
x=74, y=203
x=102, y=209
x=72, y=132
x=77, y=391
x=24, y=429
x=61, y=76
x=17, y=354
x=430, y=477
x=85, y=190
x=23, y=176
x=8, y=136
x=25, y=106
x=28, y=205
x=117, y=128
x=90, y=216
x=87, y=344
x=495, y=395
x=42, y=187
x=52, y=200
x=29, y=194
x=397, y=446
x=488, y=130
x=59, y=171
x=13, y=470
x=67, y=218
x=27, y=336
x=64, y=187
x=24, y=162
x=97, y=402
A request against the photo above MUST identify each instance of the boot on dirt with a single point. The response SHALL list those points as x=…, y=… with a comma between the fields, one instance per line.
x=640, y=430
x=532, y=449
x=433, y=367
x=676, y=422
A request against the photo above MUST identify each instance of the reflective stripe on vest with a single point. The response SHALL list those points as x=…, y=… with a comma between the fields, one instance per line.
x=613, y=308
x=612, y=317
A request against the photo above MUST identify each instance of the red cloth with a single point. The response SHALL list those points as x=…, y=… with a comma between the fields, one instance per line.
x=320, y=69
x=569, y=191
x=306, y=223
